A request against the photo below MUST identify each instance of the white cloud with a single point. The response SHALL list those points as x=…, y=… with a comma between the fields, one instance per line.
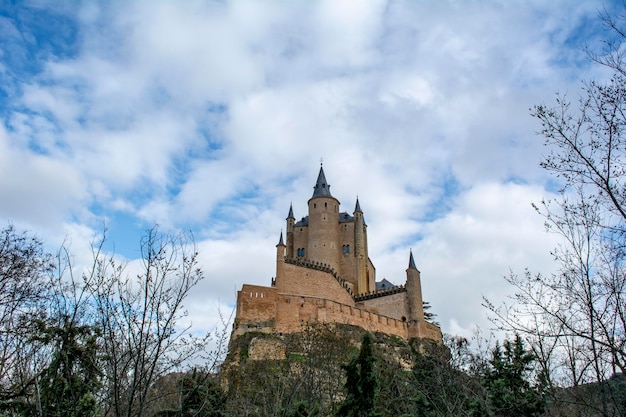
x=214, y=115
x=491, y=231
x=36, y=188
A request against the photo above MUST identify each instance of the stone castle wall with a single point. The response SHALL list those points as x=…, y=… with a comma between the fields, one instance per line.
x=316, y=280
x=392, y=305
x=306, y=291
x=429, y=331
x=293, y=311
x=265, y=309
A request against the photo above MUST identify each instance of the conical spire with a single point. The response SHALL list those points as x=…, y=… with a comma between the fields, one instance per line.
x=290, y=215
x=357, y=208
x=322, y=188
x=411, y=260
x=281, y=242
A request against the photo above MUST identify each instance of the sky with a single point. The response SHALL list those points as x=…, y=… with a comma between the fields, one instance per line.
x=214, y=116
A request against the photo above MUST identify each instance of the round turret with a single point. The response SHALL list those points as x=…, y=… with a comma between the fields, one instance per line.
x=323, y=238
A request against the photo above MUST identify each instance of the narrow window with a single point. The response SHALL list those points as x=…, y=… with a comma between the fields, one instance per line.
x=325, y=205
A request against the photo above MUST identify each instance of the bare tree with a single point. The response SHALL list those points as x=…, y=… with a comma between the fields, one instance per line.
x=139, y=317
x=576, y=318
x=23, y=269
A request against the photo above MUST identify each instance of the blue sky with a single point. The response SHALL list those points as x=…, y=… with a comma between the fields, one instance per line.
x=212, y=116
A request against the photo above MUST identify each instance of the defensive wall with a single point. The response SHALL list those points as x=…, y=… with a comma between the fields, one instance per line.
x=305, y=291
x=264, y=309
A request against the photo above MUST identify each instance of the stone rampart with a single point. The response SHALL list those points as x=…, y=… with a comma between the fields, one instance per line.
x=430, y=331
x=265, y=310
x=311, y=293
x=392, y=304
x=328, y=311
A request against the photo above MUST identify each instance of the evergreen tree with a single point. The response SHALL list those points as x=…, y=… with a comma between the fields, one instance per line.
x=67, y=386
x=507, y=382
x=361, y=383
x=195, y=394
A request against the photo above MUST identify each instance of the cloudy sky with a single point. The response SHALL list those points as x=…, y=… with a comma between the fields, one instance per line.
x=213, y=116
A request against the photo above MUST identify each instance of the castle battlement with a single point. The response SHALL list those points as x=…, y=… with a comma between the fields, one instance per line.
x=381, y=293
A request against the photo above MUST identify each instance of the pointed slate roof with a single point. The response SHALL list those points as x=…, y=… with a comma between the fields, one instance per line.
x=322, y=188
x=411, y=260
x=357, y=209
x=281, y=242
x=290, y=215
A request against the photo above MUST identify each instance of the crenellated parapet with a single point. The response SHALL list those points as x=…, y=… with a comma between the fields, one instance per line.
x=381, y=293
x=320, y=266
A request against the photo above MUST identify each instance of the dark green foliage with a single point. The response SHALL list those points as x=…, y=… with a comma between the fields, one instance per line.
x=440, y=389
x=508, y=382
x=429, y=315
x=68, y=384
x=195, y=394
x=303, y=409
x=361, y=382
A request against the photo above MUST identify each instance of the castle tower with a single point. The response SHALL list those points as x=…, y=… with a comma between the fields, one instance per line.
x=290, y=222
x=415, y=305
x=360, y=250
x=280, y=259
x=323, y=237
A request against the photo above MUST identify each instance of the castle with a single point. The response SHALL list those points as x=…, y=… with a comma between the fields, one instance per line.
x=324, y=274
